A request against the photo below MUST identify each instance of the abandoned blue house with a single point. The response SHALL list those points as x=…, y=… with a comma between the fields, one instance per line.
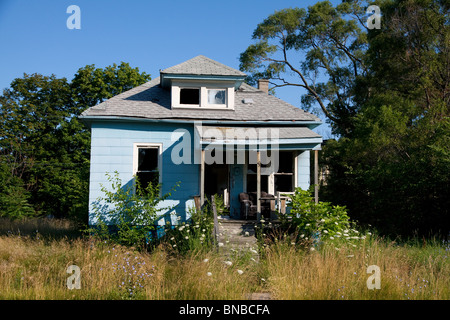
x=200, y=124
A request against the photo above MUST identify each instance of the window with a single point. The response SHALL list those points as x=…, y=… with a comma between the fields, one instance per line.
x=147, y=164
x=189, y=96
x=208, y=95
x=216, y=96
x=284, y=178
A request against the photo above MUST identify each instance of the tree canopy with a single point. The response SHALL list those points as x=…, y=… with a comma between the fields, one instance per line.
x=386, y=94
x=44, y=148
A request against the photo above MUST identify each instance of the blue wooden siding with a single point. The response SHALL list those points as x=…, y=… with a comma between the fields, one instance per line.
x=112, y=150
x=112, y=145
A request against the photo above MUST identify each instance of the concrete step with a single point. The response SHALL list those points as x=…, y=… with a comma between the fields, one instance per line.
x=237, y=236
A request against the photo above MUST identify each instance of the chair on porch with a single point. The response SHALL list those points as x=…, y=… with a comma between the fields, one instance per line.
x=248, y=206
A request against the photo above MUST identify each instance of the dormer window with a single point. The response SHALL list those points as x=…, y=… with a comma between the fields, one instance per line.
x=217, y=96
x=203, y=95
x=189, y=96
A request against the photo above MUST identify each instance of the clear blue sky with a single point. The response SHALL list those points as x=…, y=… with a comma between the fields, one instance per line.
x=150, y=35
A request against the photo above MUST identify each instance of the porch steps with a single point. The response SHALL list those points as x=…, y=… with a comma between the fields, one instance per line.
x=237, y=237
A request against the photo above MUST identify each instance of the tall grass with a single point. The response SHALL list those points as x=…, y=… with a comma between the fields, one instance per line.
x=341, y=272
x=34, y=267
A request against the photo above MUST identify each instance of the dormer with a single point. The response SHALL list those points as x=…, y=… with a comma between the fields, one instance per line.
x=202, y=83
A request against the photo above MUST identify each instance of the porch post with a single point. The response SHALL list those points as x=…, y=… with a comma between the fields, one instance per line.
x=316, y=176
x=202, y=178
x=258, y=185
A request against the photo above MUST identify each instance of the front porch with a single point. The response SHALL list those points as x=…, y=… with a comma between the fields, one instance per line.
x=254, y=172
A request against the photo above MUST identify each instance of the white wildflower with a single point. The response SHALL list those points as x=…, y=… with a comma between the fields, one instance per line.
x=220, y=244
x=240, y=271
x=209, y=274
x=206, y=260
x=228, y=263
x=325, y=231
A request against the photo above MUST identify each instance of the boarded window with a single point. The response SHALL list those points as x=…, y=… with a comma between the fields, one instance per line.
x=189, y=96
x=147, y=169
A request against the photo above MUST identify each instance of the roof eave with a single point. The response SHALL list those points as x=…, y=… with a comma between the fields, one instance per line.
x=166, y=78
x=311, y=124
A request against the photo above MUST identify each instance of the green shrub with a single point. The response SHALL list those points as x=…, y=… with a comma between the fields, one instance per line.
x=127, y=214
x=192, y=236
x=319, y=220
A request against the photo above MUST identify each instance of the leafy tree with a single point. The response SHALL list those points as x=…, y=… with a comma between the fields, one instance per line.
x=44, y=148
x=386, y=94
x=330, y=47
x=393, y=170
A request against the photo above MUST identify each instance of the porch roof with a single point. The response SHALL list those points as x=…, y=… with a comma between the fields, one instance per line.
x=292, y=138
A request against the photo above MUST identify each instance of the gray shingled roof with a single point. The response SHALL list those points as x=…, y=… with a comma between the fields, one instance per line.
x=151, y=101
x=202, y=65
x=208, y=133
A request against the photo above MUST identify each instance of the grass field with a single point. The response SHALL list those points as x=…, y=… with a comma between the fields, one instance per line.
x=34, y=266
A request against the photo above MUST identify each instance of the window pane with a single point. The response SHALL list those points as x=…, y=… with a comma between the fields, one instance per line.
x=148, y=159
x=189, y=96
x=216, y=96
x=146, y=177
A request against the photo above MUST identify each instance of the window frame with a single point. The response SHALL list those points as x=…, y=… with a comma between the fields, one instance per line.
x=146, y=145
x=216, y=105
x=203, y=88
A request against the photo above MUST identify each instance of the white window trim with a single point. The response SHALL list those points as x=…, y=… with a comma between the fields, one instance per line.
x=203, y=87
x=137, y=146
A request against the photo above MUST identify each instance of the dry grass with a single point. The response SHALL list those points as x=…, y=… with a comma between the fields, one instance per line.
x=406, y=273
x=34, y=267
